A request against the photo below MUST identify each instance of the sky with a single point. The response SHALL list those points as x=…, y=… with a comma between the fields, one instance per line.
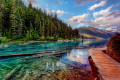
x=100, y=14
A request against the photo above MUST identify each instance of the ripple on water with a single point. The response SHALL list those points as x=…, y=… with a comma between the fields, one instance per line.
x=48, y=67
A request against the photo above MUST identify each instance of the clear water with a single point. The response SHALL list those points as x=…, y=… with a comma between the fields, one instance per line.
x=48, y=66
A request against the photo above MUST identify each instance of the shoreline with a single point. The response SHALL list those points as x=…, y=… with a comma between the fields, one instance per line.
x=35, y=41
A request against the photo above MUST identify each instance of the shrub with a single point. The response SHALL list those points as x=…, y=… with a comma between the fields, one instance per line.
x=50, y=38
x=59, y=38
x=42, y=38
x=4, y=39
x=113, y=47
x=33, y=35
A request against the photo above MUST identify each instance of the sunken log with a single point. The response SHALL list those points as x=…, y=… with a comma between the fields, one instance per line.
x=27, y=54
x=41, y=55
x=11, y=74
x=13, y=55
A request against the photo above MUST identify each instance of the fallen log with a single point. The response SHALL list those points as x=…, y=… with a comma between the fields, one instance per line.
x=27, y=54
x=11, y=74
x=41, y=55
x=13, y=55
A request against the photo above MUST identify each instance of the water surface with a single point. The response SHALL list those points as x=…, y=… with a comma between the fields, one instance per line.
x=72, y=62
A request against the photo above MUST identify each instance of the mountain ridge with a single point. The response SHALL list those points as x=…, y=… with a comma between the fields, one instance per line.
x=94, y=33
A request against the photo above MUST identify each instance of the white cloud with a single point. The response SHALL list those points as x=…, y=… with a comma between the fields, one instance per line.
x=109, y=20
x=47, y=10
x=102, y=12
x=58, y=12
x=102, y=3
x=77, y=20
x=53, y=11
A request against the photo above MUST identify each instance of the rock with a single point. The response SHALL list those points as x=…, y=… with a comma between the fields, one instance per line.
x=113, y=48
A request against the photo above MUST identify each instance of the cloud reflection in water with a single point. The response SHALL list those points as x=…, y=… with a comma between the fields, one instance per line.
x=77, y=55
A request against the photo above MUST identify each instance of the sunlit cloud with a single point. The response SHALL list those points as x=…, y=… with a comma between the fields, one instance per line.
x=58, y=12
x=78, y=56
x=47, y=10
x=102, y=12
x=102, y=3
x=109, y=20
x=77, y=20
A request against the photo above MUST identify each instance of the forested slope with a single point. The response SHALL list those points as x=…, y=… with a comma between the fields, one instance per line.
x=18, y=21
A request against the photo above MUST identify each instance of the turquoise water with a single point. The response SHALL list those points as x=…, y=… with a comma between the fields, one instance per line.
x=72, y=58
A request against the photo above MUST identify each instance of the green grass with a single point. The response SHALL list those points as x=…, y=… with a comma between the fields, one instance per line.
x=5, y=40
x=90, y=36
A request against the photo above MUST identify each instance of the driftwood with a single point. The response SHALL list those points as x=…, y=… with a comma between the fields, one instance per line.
x=11, y=74
x=27, y=54
x=41, y=55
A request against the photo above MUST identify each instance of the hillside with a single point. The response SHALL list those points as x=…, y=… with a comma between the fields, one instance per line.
x=18, y=21
x=90, y=32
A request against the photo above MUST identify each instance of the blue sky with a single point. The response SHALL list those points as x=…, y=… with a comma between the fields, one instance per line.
x=101, y=14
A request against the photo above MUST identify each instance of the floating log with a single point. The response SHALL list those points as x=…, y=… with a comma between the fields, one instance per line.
x=27, y=54
x=41, y=55
x=13, y=55
x=11, y=74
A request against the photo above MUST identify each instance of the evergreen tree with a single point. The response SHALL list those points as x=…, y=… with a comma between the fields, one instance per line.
x=18, y=22
x=1, y=28
x=30, y=5
x=13, y=21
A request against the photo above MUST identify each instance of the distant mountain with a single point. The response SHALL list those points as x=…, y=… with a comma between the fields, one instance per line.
x=116, y=29
x=94, y=33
